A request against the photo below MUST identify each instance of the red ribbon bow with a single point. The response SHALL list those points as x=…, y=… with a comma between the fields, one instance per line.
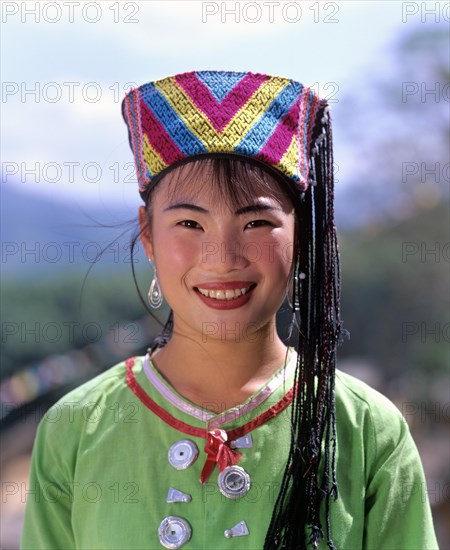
x=219, y=451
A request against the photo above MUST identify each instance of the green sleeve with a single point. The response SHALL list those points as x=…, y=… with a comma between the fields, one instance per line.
x=47, y=523
x=398, y=514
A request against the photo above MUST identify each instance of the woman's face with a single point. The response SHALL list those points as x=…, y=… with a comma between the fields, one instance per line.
x=205, y=254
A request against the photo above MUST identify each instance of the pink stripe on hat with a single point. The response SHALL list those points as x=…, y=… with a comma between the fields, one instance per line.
x=159, y=139
x=280, y=140
x=219, y=114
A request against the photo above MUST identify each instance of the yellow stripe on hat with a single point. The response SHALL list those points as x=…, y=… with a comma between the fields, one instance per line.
x=254, y=109
x=239, y=125
x=154, y=162
x=184, y=108
x=289, y=161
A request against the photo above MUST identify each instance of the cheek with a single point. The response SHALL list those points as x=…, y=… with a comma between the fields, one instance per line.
x=287, y=244
x=278, y=254
x=175, y=253
x=175, y=257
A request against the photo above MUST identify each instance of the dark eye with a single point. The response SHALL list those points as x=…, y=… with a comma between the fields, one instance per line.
x=188, y=223
x=258, y=223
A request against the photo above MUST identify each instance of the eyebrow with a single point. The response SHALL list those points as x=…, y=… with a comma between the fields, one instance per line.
x=239, y=212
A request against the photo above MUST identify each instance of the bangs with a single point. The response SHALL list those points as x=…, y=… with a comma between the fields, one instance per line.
x=234, y=182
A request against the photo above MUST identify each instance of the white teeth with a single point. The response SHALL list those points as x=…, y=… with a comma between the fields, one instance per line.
x=223, y=294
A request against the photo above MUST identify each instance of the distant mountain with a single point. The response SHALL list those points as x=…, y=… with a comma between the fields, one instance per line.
x=39, y=234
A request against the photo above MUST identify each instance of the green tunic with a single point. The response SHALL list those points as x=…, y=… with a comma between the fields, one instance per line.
x=101, y=474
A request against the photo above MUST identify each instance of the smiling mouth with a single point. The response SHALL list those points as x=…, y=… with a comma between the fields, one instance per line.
x=225, y=294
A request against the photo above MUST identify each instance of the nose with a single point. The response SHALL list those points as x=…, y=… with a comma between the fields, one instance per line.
x=224, y=251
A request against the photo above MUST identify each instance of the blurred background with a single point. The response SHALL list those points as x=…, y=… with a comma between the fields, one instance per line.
x=69, y=306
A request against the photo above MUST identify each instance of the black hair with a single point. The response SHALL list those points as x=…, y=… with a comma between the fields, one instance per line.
x=308, y=481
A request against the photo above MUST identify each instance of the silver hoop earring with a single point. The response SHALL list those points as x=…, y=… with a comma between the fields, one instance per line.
x=155, y=297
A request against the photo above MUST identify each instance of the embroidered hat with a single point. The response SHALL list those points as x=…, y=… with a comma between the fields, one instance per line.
x=267, y=119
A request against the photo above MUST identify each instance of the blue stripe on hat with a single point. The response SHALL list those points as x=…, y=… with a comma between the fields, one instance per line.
x=270, y=120
x=220, y=83
x=187, y=142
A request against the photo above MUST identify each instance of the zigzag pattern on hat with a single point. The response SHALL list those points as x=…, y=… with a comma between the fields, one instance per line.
x=264, y=117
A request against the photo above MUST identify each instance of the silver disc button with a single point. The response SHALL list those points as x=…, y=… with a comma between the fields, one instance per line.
x=182, y=454
x=233, y=482
x=174, y=532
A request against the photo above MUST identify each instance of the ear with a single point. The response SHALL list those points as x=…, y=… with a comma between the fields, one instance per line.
x=146, y=235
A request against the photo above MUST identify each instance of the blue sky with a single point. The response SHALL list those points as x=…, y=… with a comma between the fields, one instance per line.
x=73, y=135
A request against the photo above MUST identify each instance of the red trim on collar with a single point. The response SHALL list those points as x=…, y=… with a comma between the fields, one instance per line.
x=213, y=458
x=264, y=417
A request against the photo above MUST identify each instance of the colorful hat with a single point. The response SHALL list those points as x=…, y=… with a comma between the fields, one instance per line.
x=267, y=119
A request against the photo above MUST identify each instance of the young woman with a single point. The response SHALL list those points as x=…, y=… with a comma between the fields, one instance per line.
x=223, y=435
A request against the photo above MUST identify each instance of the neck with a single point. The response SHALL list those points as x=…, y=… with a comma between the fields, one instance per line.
x=229, y=370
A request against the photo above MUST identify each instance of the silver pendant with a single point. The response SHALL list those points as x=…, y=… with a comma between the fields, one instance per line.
x=245, y=442
x=174, y=532
x=233, y=482
x=239, y=530
x=182, y=454
x=174, y=495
